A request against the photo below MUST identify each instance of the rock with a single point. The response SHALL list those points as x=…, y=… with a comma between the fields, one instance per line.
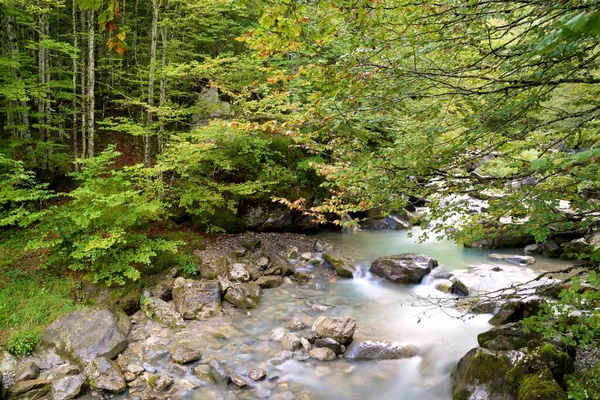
x=306, y=344
x=161, y=381
x=404, y=268
x=149, y=368
x=135, y=369
x=339, y=328
x=306, y=256
x=103, y=374
x=540, y=386
x=238, y=273
x=574, y=248
x=257, y=374
x=262, y=263
x=342, y=266
x=162, y=312
x=33, y=389
x=505, y=240
x=218, y=373
x=66, y=370
x=322, y=354
x=509, y=312
x=269, y=281
x=214, y=270
x=183, y=354
x=8, y=367
x=202, y=371
x=444, y=286
x=507, y=337
x=196, y=299
x=330, y=344
x=319, y=246
x=302, y=278
x=533, y=249
x=67, y=387
x=240, y=251
x=278, y=334
x=293, y=252
x=373, y=350
x=593, y=241
x=243, y=295
x=27, y=371
x=290, y=341
x=296, y=324
x=162, y=291
x=252, y=243
x=513, y=258
x=239, y=380
x=70, y=335
x=481, y=374
x=551, y=249
x=459, y=288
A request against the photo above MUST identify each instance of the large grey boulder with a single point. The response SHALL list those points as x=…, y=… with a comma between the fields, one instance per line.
x=85, y=334
x=196, y=299
x=513, y=258
x=507, y=337
x=244, y=295
x=370, y=350
x=343, y=267
x=403, y=268
x=340, y=329
x=103, y=374
x=67, y=387
x=481, y=374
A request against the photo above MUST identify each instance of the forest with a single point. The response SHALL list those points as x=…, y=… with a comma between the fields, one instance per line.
x=133, y=134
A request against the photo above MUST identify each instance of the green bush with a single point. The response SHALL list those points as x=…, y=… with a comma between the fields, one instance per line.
x=22, y=343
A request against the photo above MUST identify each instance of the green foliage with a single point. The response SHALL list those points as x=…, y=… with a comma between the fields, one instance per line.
x=21, y=197
x=23, y=342
x=100, y=228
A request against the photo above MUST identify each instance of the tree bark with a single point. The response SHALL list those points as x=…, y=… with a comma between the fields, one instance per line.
x=75, y=44
x=151, y=78
x=91, y=77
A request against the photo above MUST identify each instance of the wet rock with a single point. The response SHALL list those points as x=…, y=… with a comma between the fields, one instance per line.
x=459, y=288
x=196, y=299
x=67, y=387
x=573, y=248
x=302, y=278
x=330, y=344
x=551, y=249
x=509, y=312
x=162, y=312
x=306, y=344
x=239, y=380
x=290, y=341
x=129, y=377
x=306, y=256
x=278, y=334
x=33, y=389
x=374, y=350
x=244, y=295
x=293, y=252
x=202, y=371
x=444, y=286
x=513, y=258
x=103, y=374
x=183, y=354
x=322, y=354
x=319, y=246
x=507, y=337
x=342, y=266
x=262, y=262
x=238, y=273
x=481, y=374
x=161, y=381
x=540, y=385
x=296, y=324
x=533, y=249
x=404, y=268
x=339, y=328
x=257, y=374
x=26, y=371
x=218, y=373
x=70, y=335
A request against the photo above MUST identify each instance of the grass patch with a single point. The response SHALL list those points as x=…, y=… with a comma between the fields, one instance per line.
x=30, y=297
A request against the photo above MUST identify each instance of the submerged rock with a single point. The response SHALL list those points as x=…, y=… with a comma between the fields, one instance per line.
x=513, y=258
x=218, y=372
x=339, y=328
x=183, y=354
x=196, y=299
x=161, y=381
x=103, y=374
x=290, y=341
x=342, y=266
x=85, y=334
x=375, y=350
x=329, y=343
x=244, y=295
x=404, y=268
x=257, y=374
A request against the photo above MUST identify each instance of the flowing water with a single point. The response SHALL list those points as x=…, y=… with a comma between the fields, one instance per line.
x=384, y=311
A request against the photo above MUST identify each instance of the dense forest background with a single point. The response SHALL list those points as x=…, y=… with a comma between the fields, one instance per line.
x=126, y=124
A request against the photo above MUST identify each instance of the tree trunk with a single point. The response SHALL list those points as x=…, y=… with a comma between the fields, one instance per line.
x=90, y=82
x=163, y=84
x=75, y=44
x=84, y=99
x=151, y=77
x=13, y=48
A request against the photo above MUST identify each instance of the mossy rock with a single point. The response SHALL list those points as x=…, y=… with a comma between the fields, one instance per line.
x=540, y=386
x=124, y=297
x=545, y=357
x=483, y=372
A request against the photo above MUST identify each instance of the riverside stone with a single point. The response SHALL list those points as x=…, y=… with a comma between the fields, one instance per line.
x=67, y=387
x=218, y=372
x=244, y=295
x=513, y=258
x=342, y=266
x=104, y=374
x=375, y=350
x=85, y=334
x=339, y=328
x=196, y=299
x=26, y=371
x=322, y=354
x=183, y=354
x=257, y=374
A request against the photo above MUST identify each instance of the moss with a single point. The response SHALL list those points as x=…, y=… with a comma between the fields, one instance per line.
x=540, y=386
x=152, y=381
